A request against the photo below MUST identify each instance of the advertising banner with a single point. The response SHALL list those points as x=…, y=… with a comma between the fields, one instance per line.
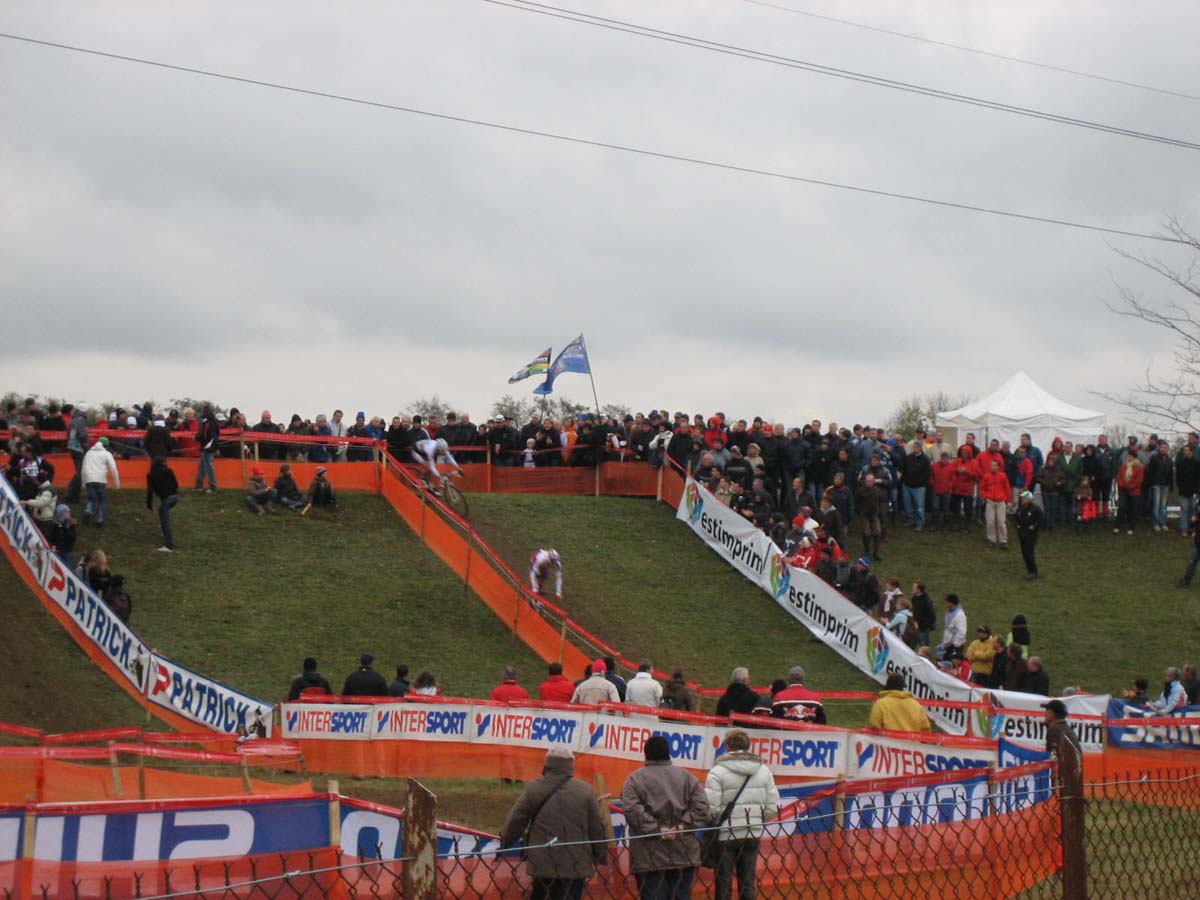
x=538, y=728
x=615, y=736
x=805, y=754
x=108, y=633
x=841, y=625
x=876, y=756
x=1019, y=719
x=370, y=831
x=926, y=804
x=331, y=721
x=18, y=528
x=425, y=721
x=1158, y=737
x=205, y=701
x=1024, y=790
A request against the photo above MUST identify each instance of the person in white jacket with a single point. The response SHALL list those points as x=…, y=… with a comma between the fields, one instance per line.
x=42, y=506
x=758, y=802
x=98, y=463
x=642, y=689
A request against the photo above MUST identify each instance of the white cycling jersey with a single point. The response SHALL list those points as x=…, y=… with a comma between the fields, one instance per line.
x=541, y=565
x=428, y=453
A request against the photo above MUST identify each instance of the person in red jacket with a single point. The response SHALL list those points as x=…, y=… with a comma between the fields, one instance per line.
x=556, y=688
x=942, y=480
x=508, y=690
x=962, y=500
x=996, y=492
x=1130, y=476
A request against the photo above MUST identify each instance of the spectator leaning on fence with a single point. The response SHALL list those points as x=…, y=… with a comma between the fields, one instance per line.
x=642, y=689
x=741, y=791
x=365, y=681
x=739, y=697
x=308, y=680
x=897, y=709
x=557, y=688
x=1173, y=696
x=596, y=689
x=508, y=690
x=558, y=817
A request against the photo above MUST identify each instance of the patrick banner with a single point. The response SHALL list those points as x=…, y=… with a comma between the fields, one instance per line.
x=823, y=610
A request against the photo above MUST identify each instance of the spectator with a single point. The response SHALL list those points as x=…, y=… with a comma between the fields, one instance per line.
x=426, y=685
x=1036, y=679
x=1020, y=475
x=266, y=426
x=1173, y=696
x=596, y=689
x=643, y=690
x=400, y=686
x=664, y=806
x=831, y=518
x=286, y=491
x=338, y=429
x=299, y=428
x=319, y=453
x=942, y=480
x=797, y=702
x=738, y=697
x=96, y=571
x=1053, y=482
x=1020, y=635
x=365, y=681
x=1130, y=475
x=558, y=818
x=676, y=694
x=1059, y=731
x=162, y=483
x=1160, y=475
x=897, y=709
x=556, y=688
x=1191, y=684
x=42, y=505
x=321, y=494
x=903, y=625
x=954, y=633
x=62, y=535
x=308, y=680
x=864, y=585
x=259, y=494
x=508, y=691
x=923, y=612
x=1138, y=696
x=916, y=474
x=1016, y=677
x=871, y=502
x=617, y=681
x=118, y=598
x=966, y=475
x=208, y=437
x=1029, y=526
x=1187, y=480
x=981, y=652
x=742, y=798
x=995, y=492
x=999, y=663
x=158, y=440
x=98, y=465
x=77, y=441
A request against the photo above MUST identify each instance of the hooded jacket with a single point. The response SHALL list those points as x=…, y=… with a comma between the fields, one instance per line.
x=594, y=690
x=77, y=435
x=307, y=681
x=757, y=804
x=659, y=796
x=898, y=711
x=41, y=507
x=563, y=810
x=97, y=464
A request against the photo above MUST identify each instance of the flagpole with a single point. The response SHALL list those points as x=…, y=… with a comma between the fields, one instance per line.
x=591, y=377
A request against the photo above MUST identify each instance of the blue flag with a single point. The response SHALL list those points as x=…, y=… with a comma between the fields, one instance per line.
x=572, y=358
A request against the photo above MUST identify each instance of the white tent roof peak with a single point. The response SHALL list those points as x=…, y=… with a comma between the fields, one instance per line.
x=1021, y=398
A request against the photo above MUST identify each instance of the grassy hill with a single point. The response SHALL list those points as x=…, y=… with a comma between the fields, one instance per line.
x=1105, y=611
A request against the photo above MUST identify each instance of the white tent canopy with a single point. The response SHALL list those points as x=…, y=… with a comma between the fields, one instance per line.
x=1021, y=406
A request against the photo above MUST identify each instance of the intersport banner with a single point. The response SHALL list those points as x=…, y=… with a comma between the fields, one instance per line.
x=840, y=624
x=160, y=680
x=878, y=756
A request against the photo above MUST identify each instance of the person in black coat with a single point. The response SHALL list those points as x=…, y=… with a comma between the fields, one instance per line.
x=1036, y=679
x=923, y=613
x=738, y=697
x=309, y=679
x=161, y=483
x=365, y=681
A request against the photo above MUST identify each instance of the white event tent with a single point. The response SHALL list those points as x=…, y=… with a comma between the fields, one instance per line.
x=1019, y=406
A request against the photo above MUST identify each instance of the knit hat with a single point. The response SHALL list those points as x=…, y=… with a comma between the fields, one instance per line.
x=321, y=470
x=61, y=512
x=864, y=560
x=103, y=441
x=131, y=421
x=257, y=470
x=598, y=667
x=1026, y=495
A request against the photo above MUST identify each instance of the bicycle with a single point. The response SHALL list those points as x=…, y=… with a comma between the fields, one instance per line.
x=449, y=493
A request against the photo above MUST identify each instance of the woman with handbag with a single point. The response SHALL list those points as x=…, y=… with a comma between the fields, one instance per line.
x=742, y=797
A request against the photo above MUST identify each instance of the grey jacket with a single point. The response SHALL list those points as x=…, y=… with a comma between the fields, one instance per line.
x=660, y=796
x=571, y=815
x=77, y=432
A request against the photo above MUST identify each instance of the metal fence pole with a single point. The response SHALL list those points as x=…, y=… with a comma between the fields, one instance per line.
x=419, y=875
x=1070, y=773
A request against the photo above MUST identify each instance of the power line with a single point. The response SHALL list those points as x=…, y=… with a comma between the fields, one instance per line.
x=587, y=142
x=821, y=69
x=1016, y=59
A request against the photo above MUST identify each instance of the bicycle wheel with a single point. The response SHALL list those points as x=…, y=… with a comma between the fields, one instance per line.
x=454, y=499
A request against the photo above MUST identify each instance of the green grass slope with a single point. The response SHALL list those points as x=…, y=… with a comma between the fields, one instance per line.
x=244, y=599
x=1105, y=612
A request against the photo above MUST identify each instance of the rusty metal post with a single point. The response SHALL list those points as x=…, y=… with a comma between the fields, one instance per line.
x=419, y=875
x=1074, y=811
x=598, y=465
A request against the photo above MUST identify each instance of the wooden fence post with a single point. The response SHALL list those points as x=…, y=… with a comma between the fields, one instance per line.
x=1074, y=812
x=335, y=813
x=658, y=491
x=115, y=764
x=488, y=474
x=242, y=453
x=28, y=841
x=419, y=874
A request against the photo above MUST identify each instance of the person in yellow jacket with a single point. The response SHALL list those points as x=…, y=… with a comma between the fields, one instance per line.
x=897, y=709
x=981, y=652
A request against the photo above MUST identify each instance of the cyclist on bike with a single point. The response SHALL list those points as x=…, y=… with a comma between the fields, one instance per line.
x=428, y=452
x=541, y=564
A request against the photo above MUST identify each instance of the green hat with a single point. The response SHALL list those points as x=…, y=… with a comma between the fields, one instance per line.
x=103, y=441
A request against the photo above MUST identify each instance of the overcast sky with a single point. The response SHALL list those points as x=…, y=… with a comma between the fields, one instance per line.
x=165, y=234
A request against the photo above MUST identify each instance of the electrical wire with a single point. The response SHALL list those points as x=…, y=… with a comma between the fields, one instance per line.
x=672, y=37
x=587, y=142
x=1016, y=59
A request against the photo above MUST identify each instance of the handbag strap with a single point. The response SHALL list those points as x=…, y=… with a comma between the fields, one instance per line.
x=537, y=811
x=732, y=803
